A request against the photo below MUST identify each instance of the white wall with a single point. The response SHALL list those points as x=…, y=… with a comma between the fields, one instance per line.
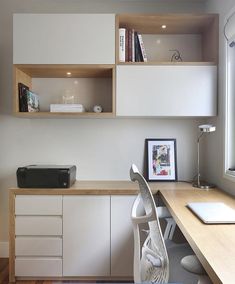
x=101, y=148
x=215, y=146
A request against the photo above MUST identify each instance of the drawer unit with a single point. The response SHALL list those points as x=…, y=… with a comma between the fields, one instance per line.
x=38, y=225
x=38, y=246
x=36, y=267
x=38, y=205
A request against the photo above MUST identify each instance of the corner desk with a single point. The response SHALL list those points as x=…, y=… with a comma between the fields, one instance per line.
x=213, y=244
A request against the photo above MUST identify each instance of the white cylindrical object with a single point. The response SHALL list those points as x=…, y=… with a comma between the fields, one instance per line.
x=97, y=108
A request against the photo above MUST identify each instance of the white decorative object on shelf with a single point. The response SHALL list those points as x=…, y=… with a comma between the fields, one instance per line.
x=67, y=108
x=97, y=108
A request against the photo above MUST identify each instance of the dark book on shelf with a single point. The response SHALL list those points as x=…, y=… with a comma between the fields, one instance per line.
x=130, y=45
x=138, y=53
x=142, y=47
x=22, y=89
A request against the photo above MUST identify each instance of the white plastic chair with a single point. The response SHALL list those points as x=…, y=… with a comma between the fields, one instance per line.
x=151, y=262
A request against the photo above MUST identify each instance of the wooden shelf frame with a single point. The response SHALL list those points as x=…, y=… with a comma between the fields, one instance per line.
x=206, y=25
x=25, y=72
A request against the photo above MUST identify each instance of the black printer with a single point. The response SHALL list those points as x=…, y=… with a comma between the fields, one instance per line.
x=46, y=176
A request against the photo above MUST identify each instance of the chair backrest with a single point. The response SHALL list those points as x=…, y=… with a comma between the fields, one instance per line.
x=151, y=263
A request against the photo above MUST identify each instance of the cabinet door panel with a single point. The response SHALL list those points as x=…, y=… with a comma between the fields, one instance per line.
x=86, y=236
x=64, y=39
x=166, y=90
x=122, y=240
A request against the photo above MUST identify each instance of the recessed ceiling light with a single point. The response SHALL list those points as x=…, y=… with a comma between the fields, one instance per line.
x=163, y=26
x=68, y=73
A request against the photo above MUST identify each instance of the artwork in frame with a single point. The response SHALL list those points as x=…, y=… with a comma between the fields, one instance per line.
x=161, y=164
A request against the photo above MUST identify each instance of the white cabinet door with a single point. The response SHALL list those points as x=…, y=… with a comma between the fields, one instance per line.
x=64, y=39
x=164, y=90
x=86, y=236
x=122, y=241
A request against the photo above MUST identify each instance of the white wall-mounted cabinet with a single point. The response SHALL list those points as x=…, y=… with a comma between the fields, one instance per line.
x=86, y=46
x=166, y=90
x=64, y=39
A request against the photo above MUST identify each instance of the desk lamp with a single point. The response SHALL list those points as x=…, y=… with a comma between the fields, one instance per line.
x=206, y=128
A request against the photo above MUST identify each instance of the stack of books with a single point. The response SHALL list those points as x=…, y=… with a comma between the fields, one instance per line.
x=67, y=108
x=131, y=46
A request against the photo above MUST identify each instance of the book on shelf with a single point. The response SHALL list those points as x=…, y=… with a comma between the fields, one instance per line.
x=138, y=53
x=133, y=45
x=22, y=90
x=129, y=46
x=142, y=48
x=32, y=101
x=67, y=108
x=122, y=44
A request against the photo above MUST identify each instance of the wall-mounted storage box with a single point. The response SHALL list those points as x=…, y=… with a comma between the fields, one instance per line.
x=63, y=38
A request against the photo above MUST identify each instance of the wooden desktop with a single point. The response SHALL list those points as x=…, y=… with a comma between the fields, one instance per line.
x=214, y=244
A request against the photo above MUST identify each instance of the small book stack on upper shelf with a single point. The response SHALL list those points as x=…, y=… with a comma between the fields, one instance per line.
x=28, y=100
x=131, y=46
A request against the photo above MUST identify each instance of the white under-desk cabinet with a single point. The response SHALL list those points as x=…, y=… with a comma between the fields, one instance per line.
x=166, y=90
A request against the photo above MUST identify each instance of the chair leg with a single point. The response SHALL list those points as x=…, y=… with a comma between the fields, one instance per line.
x=170, y=228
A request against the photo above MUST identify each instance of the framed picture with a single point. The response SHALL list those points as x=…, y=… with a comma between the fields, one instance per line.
x=161, y=165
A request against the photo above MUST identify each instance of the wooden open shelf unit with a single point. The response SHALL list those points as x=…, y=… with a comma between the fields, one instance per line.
x=205, y=25
x=25, y=72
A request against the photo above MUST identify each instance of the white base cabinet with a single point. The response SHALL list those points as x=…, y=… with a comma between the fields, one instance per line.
x=166, y=90
x=86, y=235
x=73, y=236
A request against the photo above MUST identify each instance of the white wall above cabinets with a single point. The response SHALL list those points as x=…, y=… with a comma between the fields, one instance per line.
x=166, y=90
x=64, y=39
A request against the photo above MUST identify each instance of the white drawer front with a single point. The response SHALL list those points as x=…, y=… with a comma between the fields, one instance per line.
x=38, y=246
x=38, y=205
x=38, y=267
x=38, y=225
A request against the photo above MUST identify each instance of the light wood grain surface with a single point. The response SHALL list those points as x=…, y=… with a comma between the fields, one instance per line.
x=213, y=244
x=103, y=188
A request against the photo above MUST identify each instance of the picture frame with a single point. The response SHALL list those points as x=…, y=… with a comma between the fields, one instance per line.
x=161, y=159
